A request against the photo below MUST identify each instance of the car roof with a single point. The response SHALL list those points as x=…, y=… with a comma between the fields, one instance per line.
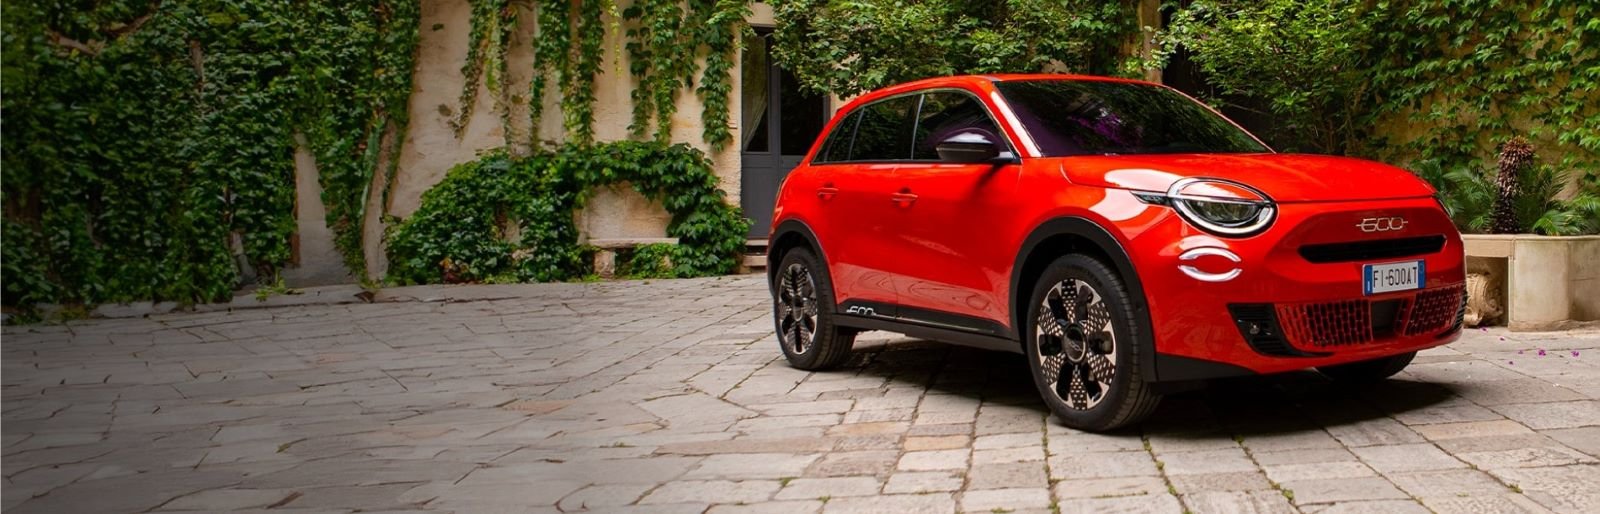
x=977, y=82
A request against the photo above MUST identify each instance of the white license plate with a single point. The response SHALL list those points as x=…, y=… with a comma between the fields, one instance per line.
x=1391, y=277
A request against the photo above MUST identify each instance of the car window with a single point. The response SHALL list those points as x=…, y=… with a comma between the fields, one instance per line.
x=837, y=147
x=884, y=131
x=948, y=113
x=1090, y=117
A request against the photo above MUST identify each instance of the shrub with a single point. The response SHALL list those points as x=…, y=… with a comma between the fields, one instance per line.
x=506, y=218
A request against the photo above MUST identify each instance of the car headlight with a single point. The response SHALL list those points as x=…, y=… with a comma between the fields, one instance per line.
x=1221, y=207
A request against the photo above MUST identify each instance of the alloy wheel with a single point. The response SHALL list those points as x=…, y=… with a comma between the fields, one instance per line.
x=797, y=308
x=1076, y=345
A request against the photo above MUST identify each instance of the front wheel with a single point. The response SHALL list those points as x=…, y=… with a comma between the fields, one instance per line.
x=1081, y=343
x=1368, y=371
x=803, y=311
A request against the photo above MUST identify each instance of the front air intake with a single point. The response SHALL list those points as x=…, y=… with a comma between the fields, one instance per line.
x=1258, y=323
x=1324, y=253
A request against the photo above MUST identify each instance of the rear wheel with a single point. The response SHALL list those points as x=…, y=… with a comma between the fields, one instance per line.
x=803, y=311
x=1368, y=371
x=1081, y=346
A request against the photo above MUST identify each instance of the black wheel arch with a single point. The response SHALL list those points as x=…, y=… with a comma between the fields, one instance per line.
x=788, y=235
x=1075, y=234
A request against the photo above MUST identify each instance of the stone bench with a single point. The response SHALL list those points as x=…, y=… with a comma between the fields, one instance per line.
x=605, y=260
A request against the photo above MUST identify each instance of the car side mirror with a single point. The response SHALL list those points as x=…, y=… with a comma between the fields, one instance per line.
x=971, y=148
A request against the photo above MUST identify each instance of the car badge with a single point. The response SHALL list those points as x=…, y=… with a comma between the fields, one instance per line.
x=1382, y=224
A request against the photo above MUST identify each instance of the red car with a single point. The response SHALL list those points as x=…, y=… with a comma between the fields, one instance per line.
x=1124, y=237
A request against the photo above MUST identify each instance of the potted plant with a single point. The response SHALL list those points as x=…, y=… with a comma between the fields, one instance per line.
x=1532, y=239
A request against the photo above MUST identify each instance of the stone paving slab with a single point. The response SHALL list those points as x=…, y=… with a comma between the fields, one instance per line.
x=671, y=396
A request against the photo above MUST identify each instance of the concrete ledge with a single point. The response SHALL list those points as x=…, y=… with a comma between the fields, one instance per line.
x=1550, y=281
x=630, y=242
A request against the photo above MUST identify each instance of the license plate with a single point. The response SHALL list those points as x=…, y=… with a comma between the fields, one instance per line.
x=1391, y=277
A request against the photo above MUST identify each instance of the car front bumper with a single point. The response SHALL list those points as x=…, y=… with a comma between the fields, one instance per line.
x=1294, y=297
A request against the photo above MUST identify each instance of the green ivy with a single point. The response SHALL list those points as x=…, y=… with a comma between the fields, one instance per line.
x=503, y=218
x=723, y=23
x=850, y=46
x=506, y=218
x=657, y=47
x=1431, y=84
x=149, y=145
x=577, y=99
x=491, y=21
x=1302, y=60
x=647, y=261
x=551, y=57
x=665, y=40
x=349, y=110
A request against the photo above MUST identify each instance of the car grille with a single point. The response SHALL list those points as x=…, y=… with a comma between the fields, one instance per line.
x=1434, y=310
x=1328, y=325
x=1376, y=249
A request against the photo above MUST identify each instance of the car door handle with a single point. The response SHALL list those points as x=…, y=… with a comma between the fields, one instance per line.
x=904, y=198
x=827, y=191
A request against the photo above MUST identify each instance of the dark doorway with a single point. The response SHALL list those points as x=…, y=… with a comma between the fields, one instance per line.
x=780, y=122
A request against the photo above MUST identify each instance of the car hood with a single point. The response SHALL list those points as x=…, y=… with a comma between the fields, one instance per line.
x=1284, y=177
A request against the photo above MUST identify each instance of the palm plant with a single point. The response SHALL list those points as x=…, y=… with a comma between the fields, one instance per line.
x=1472, y=195
x=1516, y=158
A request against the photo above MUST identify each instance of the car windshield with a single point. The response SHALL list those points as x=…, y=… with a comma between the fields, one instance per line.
x=1092, y=117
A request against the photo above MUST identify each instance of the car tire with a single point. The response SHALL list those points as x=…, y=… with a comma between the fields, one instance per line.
x=803, y=312
x=1081, y=322
x=1368, y=371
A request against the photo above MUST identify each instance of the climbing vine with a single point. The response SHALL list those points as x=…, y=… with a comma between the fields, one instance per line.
x=551, y=58
x=665, y=39
x=720, y=34
x=654, y=51
x=849, y=47
x=505, y=218
x=354, y=115
x=149, y=145
x=486, y=54
x=577, y=99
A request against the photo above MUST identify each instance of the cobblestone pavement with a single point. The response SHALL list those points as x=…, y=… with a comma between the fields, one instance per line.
x=670, y=396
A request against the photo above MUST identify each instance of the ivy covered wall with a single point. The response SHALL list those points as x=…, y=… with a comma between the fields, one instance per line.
x=440, y=136
x=1436, y=86
x=148, y=149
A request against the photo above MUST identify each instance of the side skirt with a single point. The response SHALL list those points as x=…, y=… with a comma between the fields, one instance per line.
x=1177, y=373
x=927, y=324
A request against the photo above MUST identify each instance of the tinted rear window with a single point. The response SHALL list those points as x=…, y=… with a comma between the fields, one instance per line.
x=1068, y=117
x=837, y=147
x=884, y=131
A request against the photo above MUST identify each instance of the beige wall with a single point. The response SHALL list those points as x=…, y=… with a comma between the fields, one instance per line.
x=317, y=260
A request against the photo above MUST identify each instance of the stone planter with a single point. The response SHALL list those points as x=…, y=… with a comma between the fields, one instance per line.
x=1541, y=282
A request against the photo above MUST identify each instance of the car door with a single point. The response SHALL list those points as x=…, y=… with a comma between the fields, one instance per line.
x=856, y=205
x=954, y=267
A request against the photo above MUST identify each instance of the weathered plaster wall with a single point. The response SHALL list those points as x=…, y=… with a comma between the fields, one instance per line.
x=317, y=260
